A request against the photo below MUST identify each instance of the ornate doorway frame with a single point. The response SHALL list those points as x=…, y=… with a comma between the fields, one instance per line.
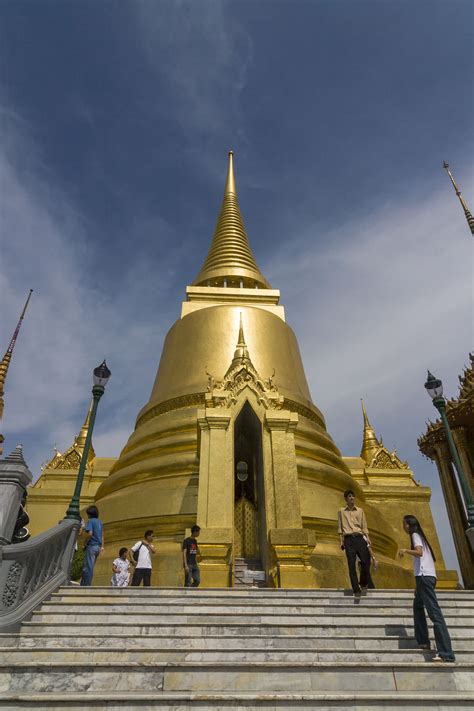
x=288, y=544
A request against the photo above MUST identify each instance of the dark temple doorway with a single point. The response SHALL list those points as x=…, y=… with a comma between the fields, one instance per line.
x=249, y=504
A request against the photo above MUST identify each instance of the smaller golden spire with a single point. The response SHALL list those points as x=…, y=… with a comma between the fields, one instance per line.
x=80, y=440
x=241, y=352
x=469, y=217
x=71, y=458
x=370, y=443
x=5, y=362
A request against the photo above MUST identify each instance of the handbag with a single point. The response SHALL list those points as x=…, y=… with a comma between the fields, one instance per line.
x=136, y=554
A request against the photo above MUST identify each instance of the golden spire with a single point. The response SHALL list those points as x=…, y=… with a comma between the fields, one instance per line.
x=5, y=362
x=469, y=217
x=72, y=456
x=81, y=437
x=230, y=261
x=241, y=352
x=370, y=443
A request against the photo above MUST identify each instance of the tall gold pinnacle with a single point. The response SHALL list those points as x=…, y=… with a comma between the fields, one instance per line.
x=469, y=217
x=81, y=437
x=230, y=261
x=370, y=443
x=5, y=362
x=241, y=351
x=71, y=458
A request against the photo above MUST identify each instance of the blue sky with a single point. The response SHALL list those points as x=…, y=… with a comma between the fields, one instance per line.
x=116, y=118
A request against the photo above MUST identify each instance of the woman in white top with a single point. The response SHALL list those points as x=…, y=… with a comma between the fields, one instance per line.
x=425, y=595
x=120, y=566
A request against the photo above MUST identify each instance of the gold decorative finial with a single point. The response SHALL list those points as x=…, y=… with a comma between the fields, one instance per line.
x=72, y=456
x=230, y=261
x=241, y=341
x=241, y=352
x=469, y=217
x=230, y=182
x=5, y=362
x=81, y=437
x=370, y=443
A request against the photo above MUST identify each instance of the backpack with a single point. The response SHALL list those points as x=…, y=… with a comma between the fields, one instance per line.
x=136, y=553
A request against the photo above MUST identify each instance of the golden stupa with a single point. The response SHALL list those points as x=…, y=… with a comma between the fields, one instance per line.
x=231, y=389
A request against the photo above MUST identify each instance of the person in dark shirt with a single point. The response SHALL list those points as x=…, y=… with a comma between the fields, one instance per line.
x=192, y=574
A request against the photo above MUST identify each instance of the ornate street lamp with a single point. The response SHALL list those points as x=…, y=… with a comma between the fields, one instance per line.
x=101, y=376
x=434, y=388
x=242, y=471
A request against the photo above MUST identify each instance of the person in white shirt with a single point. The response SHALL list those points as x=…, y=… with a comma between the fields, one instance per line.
x=141, y=554
x=425, y=595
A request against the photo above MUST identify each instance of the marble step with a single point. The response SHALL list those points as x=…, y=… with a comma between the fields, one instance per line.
x=190, y=616
x=156, y=655
x=329, y=593
x=222, y=701
x=257, y=676
x=214, y=642
x=366, y=627
x=312, y=606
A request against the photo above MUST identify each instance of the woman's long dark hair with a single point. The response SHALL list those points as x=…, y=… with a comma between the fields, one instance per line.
x=415, y=527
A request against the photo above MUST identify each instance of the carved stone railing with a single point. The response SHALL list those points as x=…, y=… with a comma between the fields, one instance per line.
x=31, y=571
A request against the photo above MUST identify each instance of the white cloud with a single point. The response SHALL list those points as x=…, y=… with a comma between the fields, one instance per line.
x=73, y=320
x=202, y=55
x=373, y=305
x=390, y=295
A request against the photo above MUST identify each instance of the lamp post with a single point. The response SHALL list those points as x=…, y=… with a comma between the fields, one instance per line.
x=101, y=376
x=434, y=388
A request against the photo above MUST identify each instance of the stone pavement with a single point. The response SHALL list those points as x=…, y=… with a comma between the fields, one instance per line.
x=157, y=648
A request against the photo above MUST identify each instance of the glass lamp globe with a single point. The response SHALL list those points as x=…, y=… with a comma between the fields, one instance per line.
x=242, y=471
x=434, y=386
x=101, y=374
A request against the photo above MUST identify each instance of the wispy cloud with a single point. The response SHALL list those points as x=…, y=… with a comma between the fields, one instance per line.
x=74, y=319
x=392, y=294
x=373, y=305
x=202, y=54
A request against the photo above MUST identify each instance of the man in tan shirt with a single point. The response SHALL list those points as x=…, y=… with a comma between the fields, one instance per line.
x=355, y=540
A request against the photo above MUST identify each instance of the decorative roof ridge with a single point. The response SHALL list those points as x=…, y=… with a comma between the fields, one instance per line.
x=466, y=380
x=71, y=458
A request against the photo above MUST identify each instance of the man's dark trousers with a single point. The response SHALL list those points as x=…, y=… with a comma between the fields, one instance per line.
x=355, y=546
x=140, y=574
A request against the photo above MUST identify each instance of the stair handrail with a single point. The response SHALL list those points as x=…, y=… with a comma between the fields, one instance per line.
x=33, y=570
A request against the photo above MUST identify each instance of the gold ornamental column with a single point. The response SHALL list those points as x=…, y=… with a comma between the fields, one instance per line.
x=456, y=516
x=290, y=544
x=215, y=497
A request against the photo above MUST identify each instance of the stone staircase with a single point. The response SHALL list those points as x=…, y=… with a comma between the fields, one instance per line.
x=248, y=573
x=157, y=648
